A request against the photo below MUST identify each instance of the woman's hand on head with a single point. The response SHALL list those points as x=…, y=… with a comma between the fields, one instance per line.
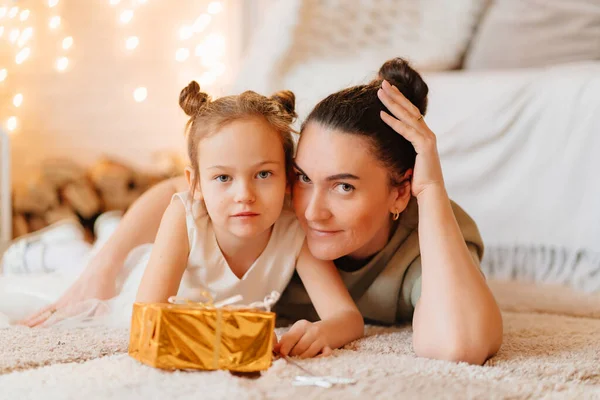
x=305, y=340
x=408, y=122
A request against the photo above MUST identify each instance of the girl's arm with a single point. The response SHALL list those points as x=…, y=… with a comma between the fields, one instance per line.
x=341, y=322
x=456, y=317
x=138, y=226
x=168, y=259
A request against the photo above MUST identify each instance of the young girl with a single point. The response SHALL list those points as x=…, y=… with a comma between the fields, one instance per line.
x=240, y=239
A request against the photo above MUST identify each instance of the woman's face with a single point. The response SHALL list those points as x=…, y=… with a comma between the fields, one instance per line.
x=342, y=194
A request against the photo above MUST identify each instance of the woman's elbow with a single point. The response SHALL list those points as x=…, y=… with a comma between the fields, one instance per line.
x=474, y=352
x=358, y=324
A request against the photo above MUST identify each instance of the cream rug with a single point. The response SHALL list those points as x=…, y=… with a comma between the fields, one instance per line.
x=551, y=350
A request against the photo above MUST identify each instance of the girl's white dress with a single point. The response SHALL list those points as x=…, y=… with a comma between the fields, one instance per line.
x=207, y=270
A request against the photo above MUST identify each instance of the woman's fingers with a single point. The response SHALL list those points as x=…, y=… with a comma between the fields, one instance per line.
x=39, y=317
x=399, y=98
x=403, y=129
x=397, y=109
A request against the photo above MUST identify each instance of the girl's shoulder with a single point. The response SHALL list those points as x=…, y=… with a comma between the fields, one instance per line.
x=194, y=208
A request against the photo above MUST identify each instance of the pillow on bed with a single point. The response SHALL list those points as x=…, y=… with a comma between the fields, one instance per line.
x=535, y=33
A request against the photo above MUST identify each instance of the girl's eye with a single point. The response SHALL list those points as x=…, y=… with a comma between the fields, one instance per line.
x=264, y=174
x=345, y=187
x=302, y=178
x=223, y=178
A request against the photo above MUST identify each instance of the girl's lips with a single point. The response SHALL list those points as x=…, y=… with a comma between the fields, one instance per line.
x=246, y=214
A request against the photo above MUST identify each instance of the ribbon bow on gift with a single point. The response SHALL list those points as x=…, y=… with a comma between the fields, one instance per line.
x=266, y=304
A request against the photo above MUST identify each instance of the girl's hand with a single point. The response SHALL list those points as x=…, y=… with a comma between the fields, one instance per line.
x=408, y=122
x=304, y=339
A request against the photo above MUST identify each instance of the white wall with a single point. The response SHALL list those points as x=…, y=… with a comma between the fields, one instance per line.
x=89, y=111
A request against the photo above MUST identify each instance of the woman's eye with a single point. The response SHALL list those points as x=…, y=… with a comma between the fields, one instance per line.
x=345, y=187
x=264, y=174
x=223, y=178
x=302, y=178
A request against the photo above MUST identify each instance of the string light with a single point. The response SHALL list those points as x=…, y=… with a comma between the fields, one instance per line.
x=62, y=63
x=67, y=43
x=140, y=94
x=215, y=7
x=186, y=32
x=132, y=42
x=25, y=36
x=12, y=124
x=22, y=55
x=207, y=78
x=126, y=16
x=13, y=12
x=210, y=50
x=182, y=54
x=24, y=15
x=18, y=100
x=54, y=22
x=14, y=35
x=202, y=22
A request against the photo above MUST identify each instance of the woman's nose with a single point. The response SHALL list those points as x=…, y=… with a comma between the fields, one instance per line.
x=316, y=208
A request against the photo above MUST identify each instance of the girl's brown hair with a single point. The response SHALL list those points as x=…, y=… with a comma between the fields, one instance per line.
x=207, y=116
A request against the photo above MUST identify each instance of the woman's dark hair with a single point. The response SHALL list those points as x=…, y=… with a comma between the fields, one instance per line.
x=356, y=111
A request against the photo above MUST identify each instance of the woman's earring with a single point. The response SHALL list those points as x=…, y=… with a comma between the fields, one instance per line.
x=396, y=215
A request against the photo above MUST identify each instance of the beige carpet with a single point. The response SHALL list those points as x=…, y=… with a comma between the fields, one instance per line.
x=551, y=350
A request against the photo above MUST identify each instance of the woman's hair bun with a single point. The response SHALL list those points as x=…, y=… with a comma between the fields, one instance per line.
x=192, y=100
x=287, y=101
x=399, y=73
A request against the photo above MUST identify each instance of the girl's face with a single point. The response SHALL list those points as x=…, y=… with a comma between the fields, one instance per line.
x=342, y=194
x=243, y=177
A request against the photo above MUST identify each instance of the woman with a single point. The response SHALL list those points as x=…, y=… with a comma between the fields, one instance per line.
x=370, y=195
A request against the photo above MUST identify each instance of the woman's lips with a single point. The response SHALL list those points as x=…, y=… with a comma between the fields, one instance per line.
x=322, y=233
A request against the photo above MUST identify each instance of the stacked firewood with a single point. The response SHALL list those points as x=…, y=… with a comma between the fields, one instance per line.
x=62, y=189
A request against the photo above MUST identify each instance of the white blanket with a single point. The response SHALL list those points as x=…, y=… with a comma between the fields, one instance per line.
x=520, y=151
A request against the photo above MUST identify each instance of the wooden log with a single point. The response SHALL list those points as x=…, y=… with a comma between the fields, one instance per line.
x=35, y=196
x=82, y=197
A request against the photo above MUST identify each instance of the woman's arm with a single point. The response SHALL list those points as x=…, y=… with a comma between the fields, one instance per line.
x=456, y=303
x=341, y=322
x=456, y=317
x=138, y=226
x=168, y=259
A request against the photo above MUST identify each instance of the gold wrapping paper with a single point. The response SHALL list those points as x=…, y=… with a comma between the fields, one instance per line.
x=187, y=336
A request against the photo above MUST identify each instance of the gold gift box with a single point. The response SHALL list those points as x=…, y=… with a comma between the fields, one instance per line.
x=184, y=336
